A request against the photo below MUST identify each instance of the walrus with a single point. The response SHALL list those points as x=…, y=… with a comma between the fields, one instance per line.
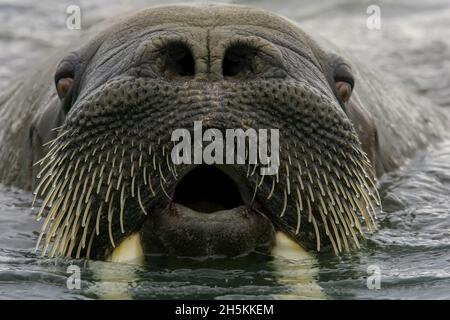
x=89, y=131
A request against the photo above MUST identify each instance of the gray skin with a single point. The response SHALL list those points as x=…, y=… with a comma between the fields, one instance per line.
x=137, y=78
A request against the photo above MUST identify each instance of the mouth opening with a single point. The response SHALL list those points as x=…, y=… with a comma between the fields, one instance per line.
x=206, y=189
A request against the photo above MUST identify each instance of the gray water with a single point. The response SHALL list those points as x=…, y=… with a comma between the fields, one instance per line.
x=412, y=247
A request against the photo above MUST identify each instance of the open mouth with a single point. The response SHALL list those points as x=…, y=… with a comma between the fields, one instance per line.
x=206, y=189
x=210, y=214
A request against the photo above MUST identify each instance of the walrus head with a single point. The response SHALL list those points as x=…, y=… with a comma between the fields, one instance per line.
x=108, y=173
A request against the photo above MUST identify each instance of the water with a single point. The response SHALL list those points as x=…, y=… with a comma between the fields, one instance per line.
x=412, y=247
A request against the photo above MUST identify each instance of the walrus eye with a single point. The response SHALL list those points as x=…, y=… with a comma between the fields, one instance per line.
x=64, y=77
x=343, y=79
x=63, y=86
x=344, y=90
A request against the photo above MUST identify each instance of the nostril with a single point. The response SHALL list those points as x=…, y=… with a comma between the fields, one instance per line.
x=238, y=61
x=179, y=60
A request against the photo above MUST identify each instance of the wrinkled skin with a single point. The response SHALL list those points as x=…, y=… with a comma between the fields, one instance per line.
x=160, y=69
